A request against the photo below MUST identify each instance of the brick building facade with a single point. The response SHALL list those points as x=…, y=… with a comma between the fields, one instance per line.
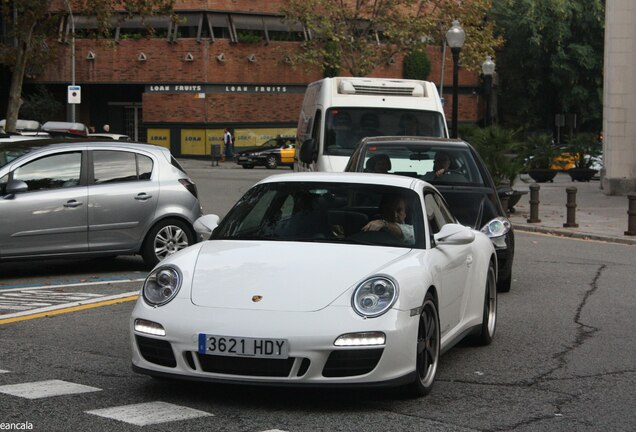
x=182, y=88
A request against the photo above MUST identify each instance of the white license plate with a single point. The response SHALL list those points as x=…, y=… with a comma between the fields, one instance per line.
x=243, y=347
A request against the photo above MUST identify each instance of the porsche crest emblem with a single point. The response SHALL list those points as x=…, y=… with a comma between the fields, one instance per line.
x=257, y=298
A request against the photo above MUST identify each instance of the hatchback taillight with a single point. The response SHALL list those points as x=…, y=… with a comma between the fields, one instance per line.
x=191, y=187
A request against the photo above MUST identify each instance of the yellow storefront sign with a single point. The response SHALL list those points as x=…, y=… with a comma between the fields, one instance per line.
x=257, y=136
x=159, y=137
x=193, y=142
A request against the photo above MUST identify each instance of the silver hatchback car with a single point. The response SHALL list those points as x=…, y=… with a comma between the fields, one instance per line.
x=62, y=198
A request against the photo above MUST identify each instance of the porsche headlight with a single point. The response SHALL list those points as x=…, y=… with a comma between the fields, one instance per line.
x=374, y=296
x=161, y=286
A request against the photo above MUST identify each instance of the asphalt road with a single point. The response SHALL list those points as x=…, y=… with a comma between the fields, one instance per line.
x=562, y=359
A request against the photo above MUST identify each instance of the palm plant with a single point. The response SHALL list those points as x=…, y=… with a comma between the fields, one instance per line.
x=498, y=147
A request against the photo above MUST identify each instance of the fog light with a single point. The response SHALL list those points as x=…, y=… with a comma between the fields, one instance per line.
x=149, y=327
x=361, y=339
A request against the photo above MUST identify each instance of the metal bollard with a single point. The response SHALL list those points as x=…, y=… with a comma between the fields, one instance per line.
x=534, y=203
x=631, y=212
x=571, y=208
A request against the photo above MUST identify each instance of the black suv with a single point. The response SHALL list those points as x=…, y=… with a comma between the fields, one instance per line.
x=454, y=167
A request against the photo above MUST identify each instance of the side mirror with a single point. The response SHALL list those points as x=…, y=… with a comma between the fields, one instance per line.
x=15, y=187
x=308, y=151
x=454, y=234
x=205, y=225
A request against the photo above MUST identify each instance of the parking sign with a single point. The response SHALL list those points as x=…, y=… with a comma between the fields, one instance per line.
x=74, y=94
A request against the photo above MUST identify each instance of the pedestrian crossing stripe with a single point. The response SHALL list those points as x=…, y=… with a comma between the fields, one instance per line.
x=44, y=389
x=149, y=413
x=65, y=308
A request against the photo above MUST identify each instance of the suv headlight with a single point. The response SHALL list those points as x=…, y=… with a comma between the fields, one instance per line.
x=161, y=286
x=374, y=296
x=496, y=227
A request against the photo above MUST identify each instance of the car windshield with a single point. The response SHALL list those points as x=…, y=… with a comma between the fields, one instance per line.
x=419, y=161
x=345, y=127
x=326, y=212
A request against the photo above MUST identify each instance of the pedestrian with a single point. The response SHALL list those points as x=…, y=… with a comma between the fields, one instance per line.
x=106, y=128
x=228, y=140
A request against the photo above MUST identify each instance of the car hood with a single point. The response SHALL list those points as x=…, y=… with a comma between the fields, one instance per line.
x=288, y=276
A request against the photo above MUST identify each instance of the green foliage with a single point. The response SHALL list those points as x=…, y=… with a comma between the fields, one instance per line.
x=41, y=105
x=498, y=148
x=585, y=147
x=539, y=151
x=359, y=36
x=417, y=65
x=552, y=61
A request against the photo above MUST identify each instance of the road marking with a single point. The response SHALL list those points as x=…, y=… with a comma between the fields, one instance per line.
x=149, y=413
x=3, y=371
x=43, y=389
x=67, y=284
x=66, y=308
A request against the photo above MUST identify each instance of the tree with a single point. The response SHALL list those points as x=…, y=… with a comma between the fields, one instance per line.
x=552, y=61
x=30, y=24
x=358, y=36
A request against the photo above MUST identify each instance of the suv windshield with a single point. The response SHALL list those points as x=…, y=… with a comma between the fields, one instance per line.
x=326, y=212
x=345, y=127
x=421, y=160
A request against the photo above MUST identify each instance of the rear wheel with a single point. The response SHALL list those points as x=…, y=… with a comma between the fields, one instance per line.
x=489, y=319
x=427, y=348
x=165, y=238
x=271, y=162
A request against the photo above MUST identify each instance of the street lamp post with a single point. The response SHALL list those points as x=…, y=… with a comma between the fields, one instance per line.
x=455, y=37
x=488, y=69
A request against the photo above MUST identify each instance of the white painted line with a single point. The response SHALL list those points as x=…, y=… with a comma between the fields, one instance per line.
x=73, y=285
x=149, y=413
x=68, y=305
x=43, y=389
x=4, y=371
x=274, y=430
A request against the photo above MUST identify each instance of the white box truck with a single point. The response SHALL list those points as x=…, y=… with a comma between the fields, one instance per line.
x=338, y=112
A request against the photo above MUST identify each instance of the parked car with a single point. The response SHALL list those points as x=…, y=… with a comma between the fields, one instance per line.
x=467, y=185
x=62, y=198
x=359, y=304
x=114, y=137
x=271, y=154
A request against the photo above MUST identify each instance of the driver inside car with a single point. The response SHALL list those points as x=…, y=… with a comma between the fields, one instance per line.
x=393, y=211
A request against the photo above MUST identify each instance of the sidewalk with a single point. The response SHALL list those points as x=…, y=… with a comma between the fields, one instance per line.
x=599, y=216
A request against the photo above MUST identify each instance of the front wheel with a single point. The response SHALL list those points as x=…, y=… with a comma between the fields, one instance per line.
x=165, y=238
x=271, y=162
x=427, y=348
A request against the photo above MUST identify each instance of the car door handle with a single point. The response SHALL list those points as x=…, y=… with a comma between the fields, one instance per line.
x=469, y=260
x=72, y=204
x=143, y=197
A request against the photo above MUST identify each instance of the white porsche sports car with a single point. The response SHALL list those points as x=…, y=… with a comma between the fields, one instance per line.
x=324, y=279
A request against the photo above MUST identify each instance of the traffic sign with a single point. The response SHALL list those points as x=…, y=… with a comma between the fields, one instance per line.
x=74, y=94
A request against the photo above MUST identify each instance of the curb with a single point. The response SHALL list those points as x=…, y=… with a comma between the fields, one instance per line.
x=578, y=235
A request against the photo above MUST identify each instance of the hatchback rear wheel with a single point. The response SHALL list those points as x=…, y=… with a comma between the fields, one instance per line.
x=165, y=238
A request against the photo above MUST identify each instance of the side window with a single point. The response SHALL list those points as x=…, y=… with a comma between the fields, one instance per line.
x=144, y=166
x=51, y=172
x=437, y=213
x=111, y=166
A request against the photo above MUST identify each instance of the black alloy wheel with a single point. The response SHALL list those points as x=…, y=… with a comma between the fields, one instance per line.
x=428, y=348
